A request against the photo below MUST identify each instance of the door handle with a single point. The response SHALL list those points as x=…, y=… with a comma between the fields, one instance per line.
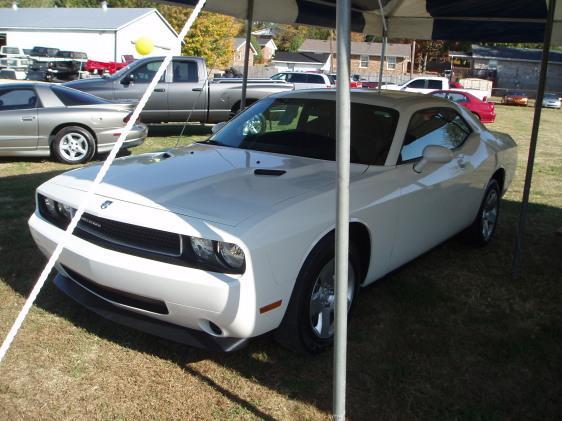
x=197, y=89
x=160, y=90
x=28, y=118
x=461, y=161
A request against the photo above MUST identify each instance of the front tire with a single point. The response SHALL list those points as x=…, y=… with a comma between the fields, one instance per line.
x=308, y=325
x=484, y=226
x=73, y=145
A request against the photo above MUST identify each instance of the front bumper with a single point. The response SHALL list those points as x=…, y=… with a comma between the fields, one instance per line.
x=192, y=299
x=149, y=325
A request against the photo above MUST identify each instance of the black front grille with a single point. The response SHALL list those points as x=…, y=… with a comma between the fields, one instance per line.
x=121, y=297
x=103, y=232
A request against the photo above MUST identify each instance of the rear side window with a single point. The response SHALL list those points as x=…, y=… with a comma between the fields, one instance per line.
x=185, y=71
x=455, y=97
x=72, y=97
x=435, y=126
x=434, y=84
x=316, y=79
x=18, y=99
x=298, y=78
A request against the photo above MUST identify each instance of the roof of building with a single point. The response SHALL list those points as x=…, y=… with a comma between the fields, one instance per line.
x=507, y=53
x=289, y=57
x=262, y=41
x=527, y=54
x=357, y=48
x=90, y=19
x=240, y=42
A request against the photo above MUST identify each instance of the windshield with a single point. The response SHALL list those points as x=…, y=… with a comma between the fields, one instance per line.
x=122, y=71
x=551, y=96
x=307, y=127
x=11, y=50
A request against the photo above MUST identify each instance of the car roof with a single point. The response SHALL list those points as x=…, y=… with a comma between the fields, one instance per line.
x=21, y=83
x=385, y=98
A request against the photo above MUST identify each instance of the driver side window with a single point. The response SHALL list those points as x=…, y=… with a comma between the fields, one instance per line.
x=434, y=126
x=145, y=73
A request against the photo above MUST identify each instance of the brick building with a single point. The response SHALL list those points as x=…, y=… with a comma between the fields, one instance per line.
x=239, y=44
x=365, y=56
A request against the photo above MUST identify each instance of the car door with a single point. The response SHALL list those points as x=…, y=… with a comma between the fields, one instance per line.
x=132, y=85
x=439, y=201
x=18, y=119
x=186, y=92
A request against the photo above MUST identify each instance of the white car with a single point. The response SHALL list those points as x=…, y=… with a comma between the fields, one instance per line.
x=233, y=237
x=551, y=101
x=305, y=80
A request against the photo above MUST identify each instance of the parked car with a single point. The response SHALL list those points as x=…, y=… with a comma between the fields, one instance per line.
x=428, y=84
x=183, y=91
x=551, y=101
x=515, y=98
x=103, y=67
x=18, y=65
x=233, y=237
x=305, y=80
x=9, y=74
x=41, y=119
x=12, y=52
x=354, y=80
x=62, y=67
x=484, y=111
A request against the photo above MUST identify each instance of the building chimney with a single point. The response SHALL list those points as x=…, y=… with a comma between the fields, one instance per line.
x=104, y=5
x=15, y=5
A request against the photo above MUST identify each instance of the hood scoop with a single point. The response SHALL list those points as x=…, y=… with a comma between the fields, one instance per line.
x=271, y=173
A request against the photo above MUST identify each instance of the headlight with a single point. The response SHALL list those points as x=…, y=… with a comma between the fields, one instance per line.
x=65, y=211
x=55, y=212
x=218, y=256
x=50, y=206
x=203, y=248
x=232, y=255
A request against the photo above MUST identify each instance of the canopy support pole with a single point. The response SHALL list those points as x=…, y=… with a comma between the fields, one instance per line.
x=515, y=268
x=343, y=116
x=249, y=22
x=384, y=40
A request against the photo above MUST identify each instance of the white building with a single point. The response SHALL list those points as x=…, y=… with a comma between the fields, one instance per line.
x=105, y=34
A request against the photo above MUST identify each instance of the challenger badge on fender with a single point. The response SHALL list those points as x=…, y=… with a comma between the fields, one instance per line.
x=106, y=204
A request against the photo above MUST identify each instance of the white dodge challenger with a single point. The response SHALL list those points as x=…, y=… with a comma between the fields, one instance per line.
x=230, y=238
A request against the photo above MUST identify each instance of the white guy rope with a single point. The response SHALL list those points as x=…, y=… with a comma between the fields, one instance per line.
x=93, y=187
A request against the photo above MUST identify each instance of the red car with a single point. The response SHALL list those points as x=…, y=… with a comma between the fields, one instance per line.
x=481, y=109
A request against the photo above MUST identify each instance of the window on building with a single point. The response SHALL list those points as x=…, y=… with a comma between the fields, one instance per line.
x=364, y=61
x=391, y=63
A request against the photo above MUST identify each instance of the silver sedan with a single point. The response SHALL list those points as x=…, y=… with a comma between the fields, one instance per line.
x=42, y=119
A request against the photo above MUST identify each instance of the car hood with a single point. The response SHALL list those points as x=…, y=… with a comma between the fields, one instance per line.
x=212, y=183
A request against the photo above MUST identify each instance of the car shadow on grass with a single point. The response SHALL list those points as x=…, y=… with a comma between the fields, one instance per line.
x=174, y=129
x=450, y=335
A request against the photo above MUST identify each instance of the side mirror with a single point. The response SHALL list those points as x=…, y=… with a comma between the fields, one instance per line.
x=218, y=126
x=433, y=154
x=127, y=80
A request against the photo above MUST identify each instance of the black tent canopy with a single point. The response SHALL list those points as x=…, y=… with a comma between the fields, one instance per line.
x=467, y=20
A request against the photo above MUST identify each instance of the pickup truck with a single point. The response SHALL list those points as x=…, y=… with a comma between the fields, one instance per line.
x=425, y=85
x=183, y=87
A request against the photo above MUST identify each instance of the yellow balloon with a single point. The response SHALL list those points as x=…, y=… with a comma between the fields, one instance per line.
x=144, y=46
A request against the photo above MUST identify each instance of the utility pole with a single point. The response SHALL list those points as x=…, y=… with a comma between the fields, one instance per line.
x=412, y=59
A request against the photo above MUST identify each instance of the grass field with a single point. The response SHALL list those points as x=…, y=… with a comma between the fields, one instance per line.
x=448, y=337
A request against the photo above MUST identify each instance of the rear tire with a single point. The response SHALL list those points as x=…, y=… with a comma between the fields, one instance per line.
x=308, y=324
x=484, y=226
x=73, y=145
